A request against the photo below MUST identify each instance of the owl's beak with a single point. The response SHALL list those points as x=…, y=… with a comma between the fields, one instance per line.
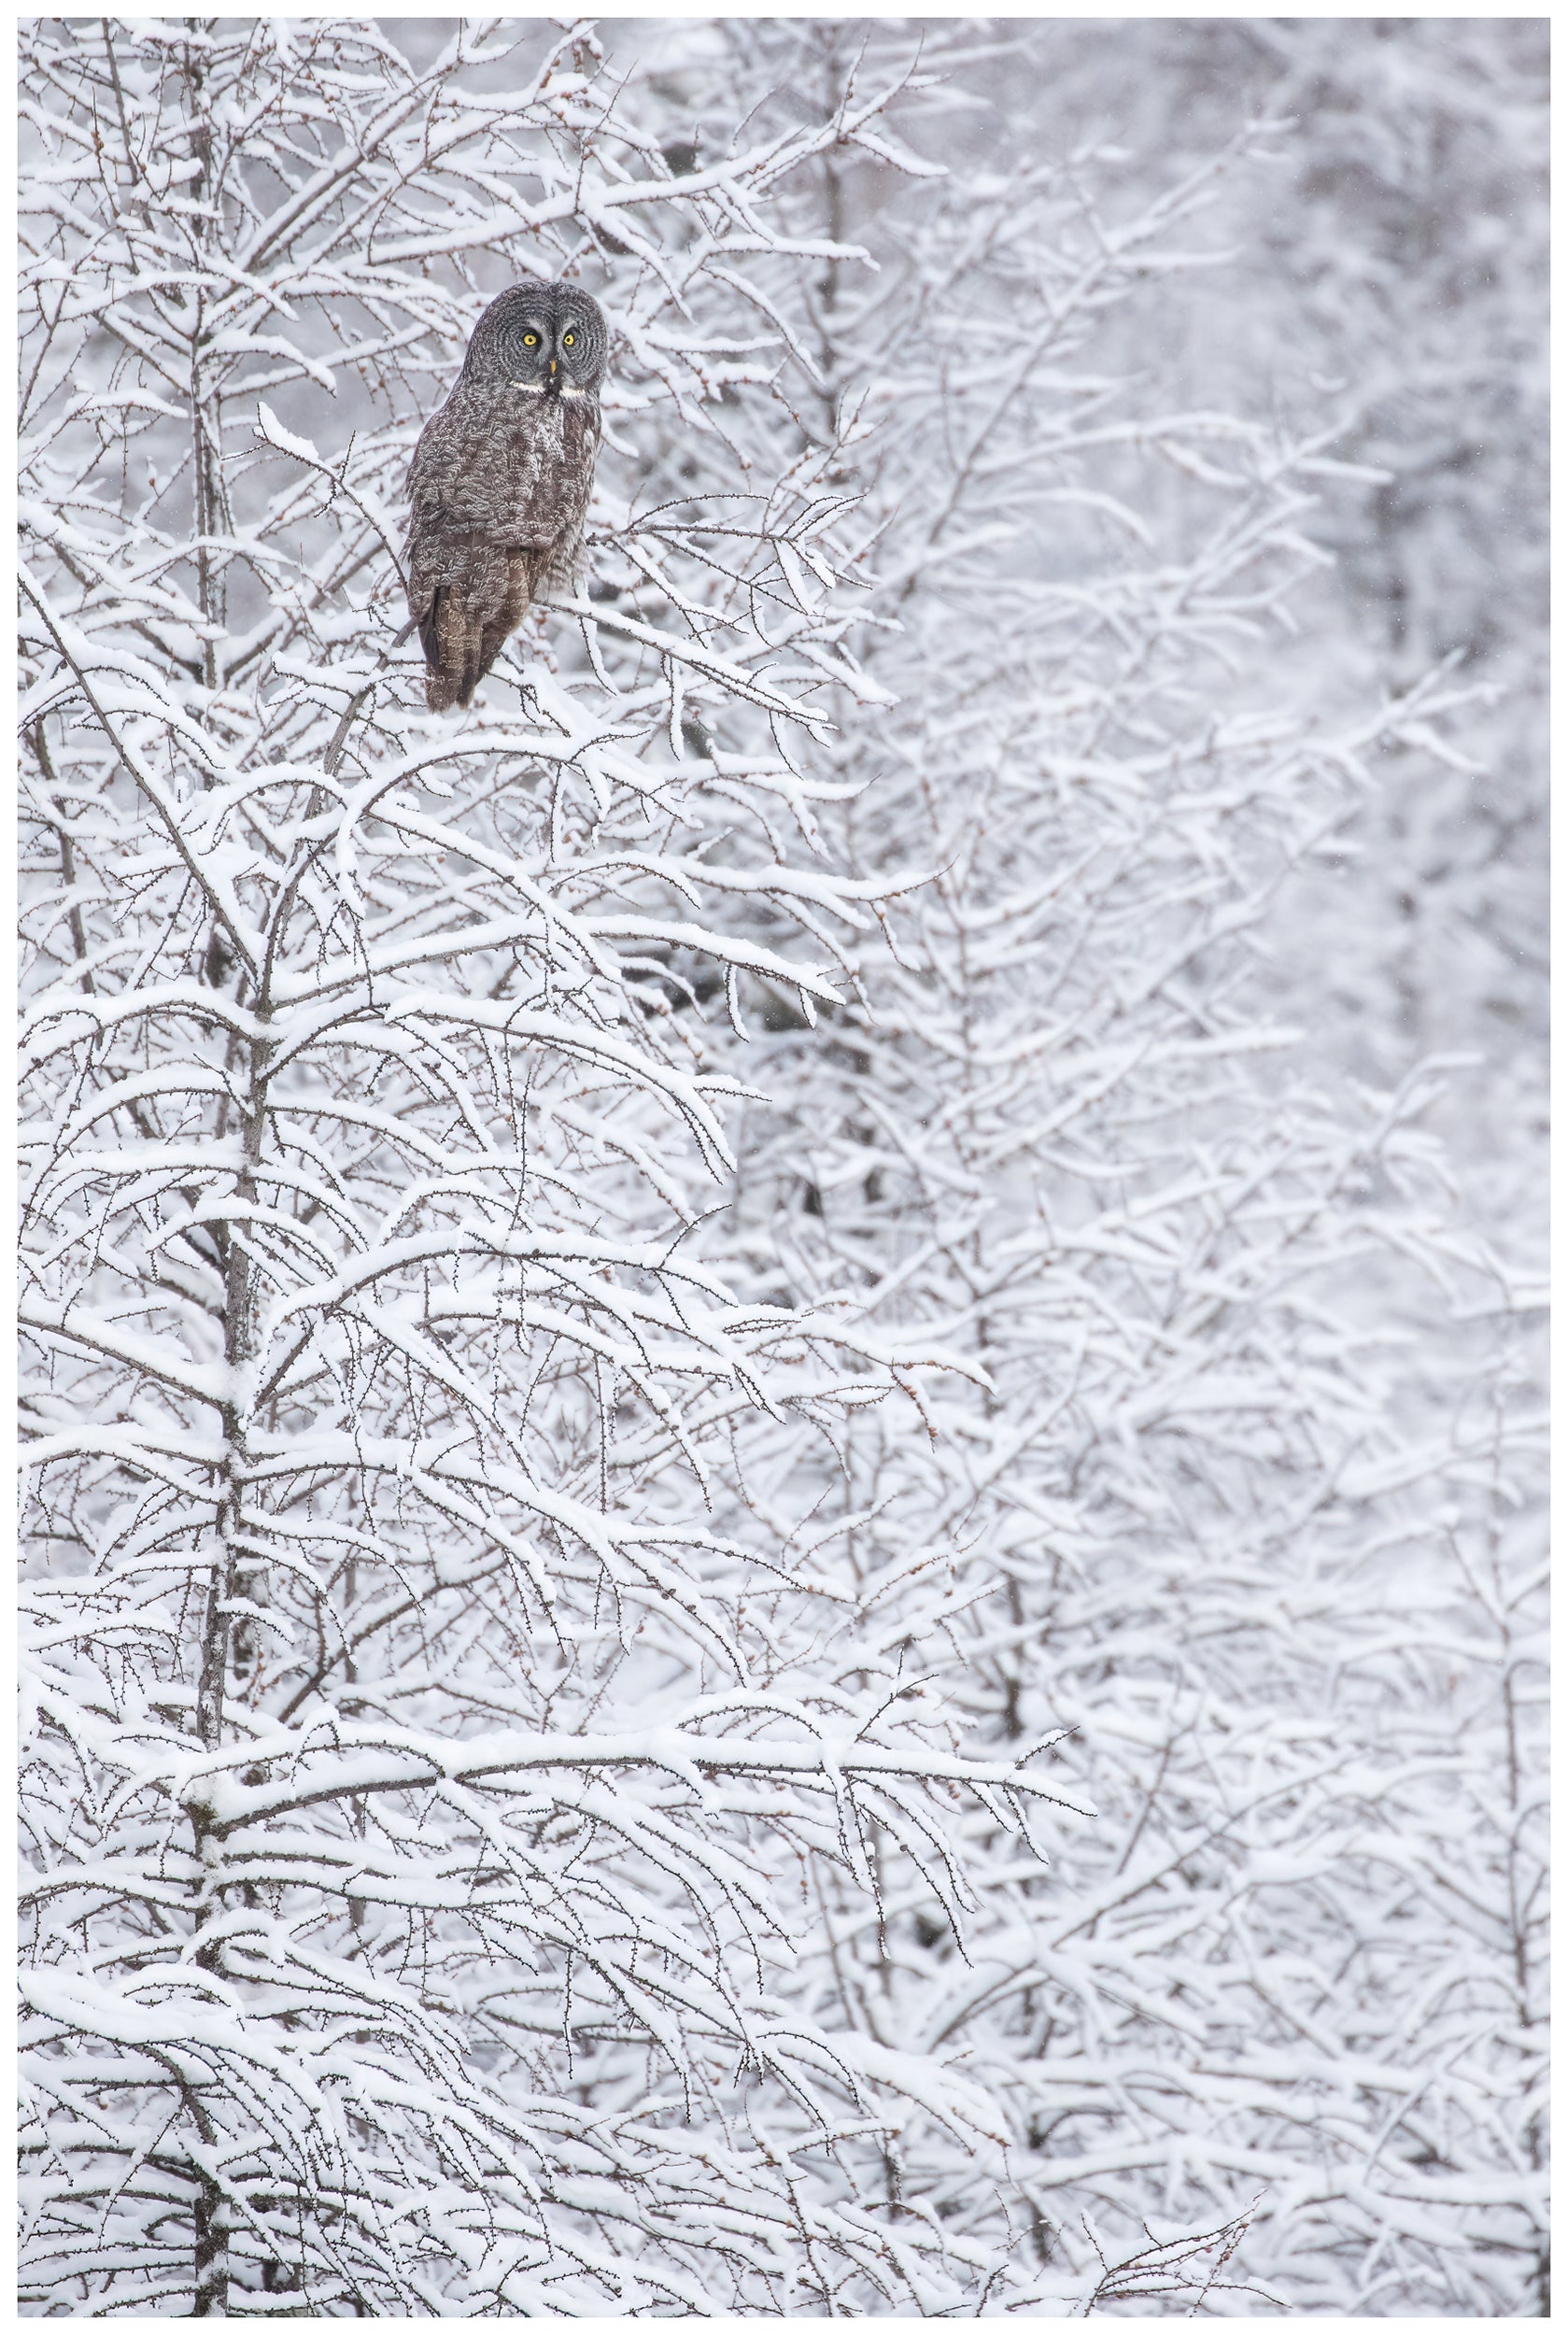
x=552, y=364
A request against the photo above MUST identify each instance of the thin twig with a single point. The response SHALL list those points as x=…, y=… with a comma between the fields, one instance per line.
x=334, y=752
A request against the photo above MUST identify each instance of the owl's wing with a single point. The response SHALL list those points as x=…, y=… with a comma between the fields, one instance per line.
x=489, y=465
x=563, y=576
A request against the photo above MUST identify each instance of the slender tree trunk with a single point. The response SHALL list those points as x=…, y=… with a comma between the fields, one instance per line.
x=213, y=2215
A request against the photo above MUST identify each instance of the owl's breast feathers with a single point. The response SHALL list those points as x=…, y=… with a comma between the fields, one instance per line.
x=500, y=488
x=508, y=465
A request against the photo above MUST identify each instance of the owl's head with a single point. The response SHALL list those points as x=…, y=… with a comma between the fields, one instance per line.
x=548, y=338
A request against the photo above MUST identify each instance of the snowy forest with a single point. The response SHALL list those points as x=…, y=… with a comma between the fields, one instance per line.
x=782, y=1547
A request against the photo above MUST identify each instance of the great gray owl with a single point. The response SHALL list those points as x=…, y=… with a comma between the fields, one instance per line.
x=500, y=480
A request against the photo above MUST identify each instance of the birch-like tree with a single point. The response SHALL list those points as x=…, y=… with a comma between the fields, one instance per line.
x=435, y=1745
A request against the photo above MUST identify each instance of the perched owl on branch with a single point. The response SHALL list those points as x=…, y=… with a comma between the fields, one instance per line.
x=500, y=478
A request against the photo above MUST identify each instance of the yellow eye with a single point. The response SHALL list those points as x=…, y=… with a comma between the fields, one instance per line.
x=571, y=340
x=530, y=340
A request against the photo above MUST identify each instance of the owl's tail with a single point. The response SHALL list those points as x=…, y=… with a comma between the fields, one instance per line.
x=450, y=635
x=463, y=634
